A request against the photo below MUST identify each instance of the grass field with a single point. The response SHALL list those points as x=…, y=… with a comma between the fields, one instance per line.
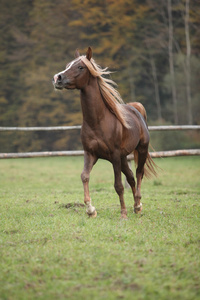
x=50, y=249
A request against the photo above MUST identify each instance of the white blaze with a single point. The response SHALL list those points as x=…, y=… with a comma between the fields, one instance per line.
x=68, y=68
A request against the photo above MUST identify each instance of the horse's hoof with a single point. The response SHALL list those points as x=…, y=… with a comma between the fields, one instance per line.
x=124, y=217
x=93, y=215
x=138, y=209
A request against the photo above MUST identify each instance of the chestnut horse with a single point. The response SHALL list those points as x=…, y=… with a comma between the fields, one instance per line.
x=111, y=129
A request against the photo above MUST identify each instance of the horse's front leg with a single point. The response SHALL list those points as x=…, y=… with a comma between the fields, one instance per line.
x=119, y=186
x=89, y=161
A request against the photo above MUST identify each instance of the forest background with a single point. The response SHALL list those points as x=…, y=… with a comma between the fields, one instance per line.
x=152, y=46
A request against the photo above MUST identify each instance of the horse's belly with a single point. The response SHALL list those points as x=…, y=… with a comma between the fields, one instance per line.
x=129, y=141
x=106, y=142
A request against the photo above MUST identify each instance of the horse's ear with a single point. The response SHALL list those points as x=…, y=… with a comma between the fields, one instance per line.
x=89, y=53
x=77, y=54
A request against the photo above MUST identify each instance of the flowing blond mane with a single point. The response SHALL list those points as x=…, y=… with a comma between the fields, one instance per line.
x=110, y=95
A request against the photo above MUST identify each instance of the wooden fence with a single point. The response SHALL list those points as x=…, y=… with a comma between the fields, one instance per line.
x=80, y=152
x=57, y=128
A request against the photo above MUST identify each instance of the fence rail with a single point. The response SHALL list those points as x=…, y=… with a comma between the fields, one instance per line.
x=53, y=128
x=81, y=152
x=57, y=128
x=158, y=154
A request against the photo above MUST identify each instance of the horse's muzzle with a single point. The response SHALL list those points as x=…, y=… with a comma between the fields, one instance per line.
x=57, y=81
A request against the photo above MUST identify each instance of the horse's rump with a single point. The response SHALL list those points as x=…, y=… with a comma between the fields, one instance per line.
x=140, y=108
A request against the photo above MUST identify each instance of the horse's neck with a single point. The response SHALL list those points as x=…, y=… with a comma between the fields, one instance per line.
x=93, y=106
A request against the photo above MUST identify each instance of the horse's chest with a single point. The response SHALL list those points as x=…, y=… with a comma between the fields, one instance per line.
x=97, y=143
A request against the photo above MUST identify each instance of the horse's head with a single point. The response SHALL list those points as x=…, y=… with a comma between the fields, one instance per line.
x=75, y=76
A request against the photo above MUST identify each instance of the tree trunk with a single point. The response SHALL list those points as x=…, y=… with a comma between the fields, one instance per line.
x=171, y=62
x=131, y=83
x=188, y=54
x=157, y=96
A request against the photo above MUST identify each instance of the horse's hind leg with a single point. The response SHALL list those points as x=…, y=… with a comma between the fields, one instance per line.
x=89, y=161
x=142, y=156
x=129, y=174
x=119, y=186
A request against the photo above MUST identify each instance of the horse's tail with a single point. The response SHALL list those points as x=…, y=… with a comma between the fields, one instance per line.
x=149, y=167
x=140, y=108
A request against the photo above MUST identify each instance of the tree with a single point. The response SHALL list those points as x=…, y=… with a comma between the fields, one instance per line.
x=188, y=68
x=171, y=62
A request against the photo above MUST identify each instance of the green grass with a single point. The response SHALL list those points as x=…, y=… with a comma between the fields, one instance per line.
x=48, y=251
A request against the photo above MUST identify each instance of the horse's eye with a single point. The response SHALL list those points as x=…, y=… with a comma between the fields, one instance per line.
x=80, y=67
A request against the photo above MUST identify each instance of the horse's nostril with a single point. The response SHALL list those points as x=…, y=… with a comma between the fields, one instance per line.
x=59, y=79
